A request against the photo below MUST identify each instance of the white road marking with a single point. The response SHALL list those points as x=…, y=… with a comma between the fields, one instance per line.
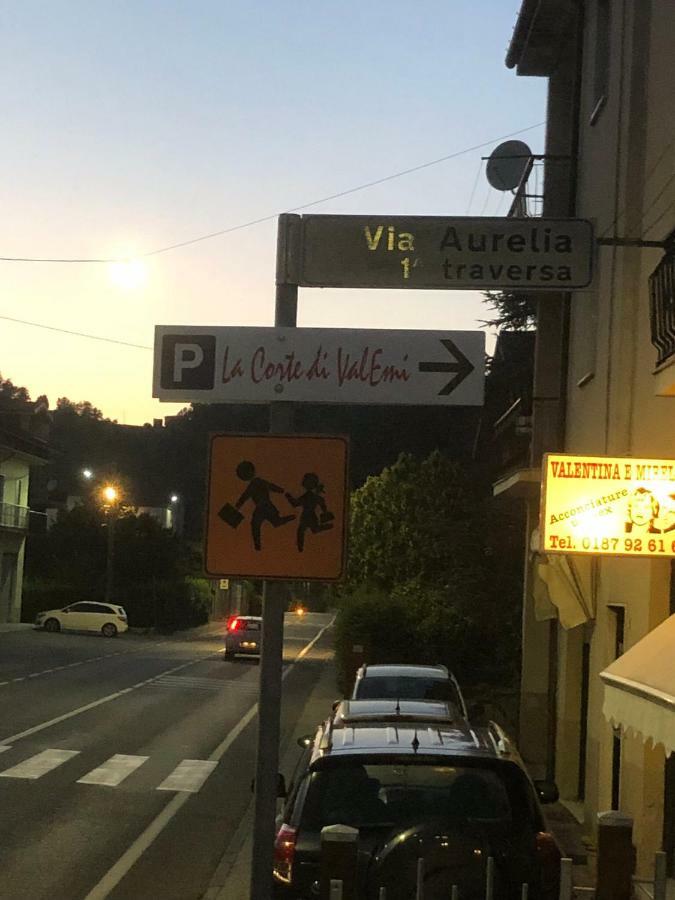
x=188, y=775
x=4, y=747
x=38, y=765
x=134, y=852
x=114, y=770
x=190, y=683
x=82, y=709
x=91, y=659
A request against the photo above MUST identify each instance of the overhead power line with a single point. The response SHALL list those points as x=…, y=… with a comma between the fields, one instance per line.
x=81, y=334
x=271, y=216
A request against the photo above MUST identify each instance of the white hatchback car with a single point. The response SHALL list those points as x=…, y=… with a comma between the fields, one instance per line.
x=103, y=618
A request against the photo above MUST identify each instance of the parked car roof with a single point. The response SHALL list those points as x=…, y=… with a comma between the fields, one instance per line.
x=405, y=671
x=436, y=736
x=356, y=711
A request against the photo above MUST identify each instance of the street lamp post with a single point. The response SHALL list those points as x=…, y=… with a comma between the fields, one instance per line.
x=110, y=497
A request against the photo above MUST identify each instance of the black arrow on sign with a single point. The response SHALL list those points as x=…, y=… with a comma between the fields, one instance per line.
x=461, y=367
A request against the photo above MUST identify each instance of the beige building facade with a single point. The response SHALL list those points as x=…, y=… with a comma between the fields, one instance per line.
x=604, y=385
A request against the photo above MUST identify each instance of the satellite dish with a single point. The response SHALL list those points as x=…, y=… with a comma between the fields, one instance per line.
x=507, y=164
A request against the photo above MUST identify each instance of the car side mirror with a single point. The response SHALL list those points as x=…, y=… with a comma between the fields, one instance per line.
x=305, y=741
x=547, y=791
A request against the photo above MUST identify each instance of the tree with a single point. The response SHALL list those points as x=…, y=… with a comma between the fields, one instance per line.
x=82, y=408
x=415, y=520
x=11, y=391
x=432, y=574
x=515, y=312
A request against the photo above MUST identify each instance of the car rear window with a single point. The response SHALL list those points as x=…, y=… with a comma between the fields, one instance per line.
x=399, y=795
x=252, y=626
x=399, y=687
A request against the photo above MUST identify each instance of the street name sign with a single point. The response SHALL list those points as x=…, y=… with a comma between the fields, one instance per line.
x=608, y=506
x=319, y=365
x=277, y=507
x=440, y=253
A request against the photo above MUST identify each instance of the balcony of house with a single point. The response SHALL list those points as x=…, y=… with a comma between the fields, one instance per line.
x=14, y=517
x=662, y=319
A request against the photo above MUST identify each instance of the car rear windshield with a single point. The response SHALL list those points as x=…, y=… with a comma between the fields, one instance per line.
x=402, y=687
x=399, y=795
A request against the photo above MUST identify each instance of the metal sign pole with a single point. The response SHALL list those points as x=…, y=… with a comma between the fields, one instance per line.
x=271, y=660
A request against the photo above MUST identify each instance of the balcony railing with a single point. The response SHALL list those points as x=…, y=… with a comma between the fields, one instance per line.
x=662, y=308
x=13, y=516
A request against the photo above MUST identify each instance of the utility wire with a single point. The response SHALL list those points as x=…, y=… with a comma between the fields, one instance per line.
x=655, y=200
x=656, y=221
x=82, y=334
x=271, y=216
x=475, y=185
x=648, y=177
x=487, y=200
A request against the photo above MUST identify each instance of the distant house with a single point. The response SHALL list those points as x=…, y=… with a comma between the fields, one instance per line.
x=23, y=445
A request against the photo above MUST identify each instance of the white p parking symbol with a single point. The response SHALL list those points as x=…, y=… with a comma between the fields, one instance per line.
x=186, y=356
x=188, y=362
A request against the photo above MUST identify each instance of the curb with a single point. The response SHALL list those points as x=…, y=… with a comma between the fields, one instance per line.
x=231, y=878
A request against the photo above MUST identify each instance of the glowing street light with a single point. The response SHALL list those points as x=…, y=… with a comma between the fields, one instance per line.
x=88, y=474
x=174, y=498
x=110, y=493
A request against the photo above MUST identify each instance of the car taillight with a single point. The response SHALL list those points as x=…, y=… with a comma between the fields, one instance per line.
x=284, y=851
x=234, y=624
x=548, y=854
x=122, y=618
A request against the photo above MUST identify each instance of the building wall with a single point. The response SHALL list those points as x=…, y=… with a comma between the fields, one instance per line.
x=627, y=157
x=12, y=540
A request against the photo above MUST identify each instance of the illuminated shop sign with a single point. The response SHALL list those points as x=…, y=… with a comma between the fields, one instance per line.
x=615, y=506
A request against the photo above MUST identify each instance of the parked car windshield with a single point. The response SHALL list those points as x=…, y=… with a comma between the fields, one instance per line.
x=405, y=687
x=395, y=794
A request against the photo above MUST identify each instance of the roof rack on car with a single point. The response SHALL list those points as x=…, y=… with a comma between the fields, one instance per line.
x=499, y=738
x=388, y=711
x=326, y=742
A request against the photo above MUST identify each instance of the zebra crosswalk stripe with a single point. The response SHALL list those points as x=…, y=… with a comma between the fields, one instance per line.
x=4, y=747
x=188, y=775
x=38, y=765
x=114, y=770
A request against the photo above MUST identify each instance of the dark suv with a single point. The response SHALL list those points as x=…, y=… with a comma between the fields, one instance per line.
x=417, y=782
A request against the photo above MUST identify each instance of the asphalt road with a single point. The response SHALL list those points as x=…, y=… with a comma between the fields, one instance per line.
x=125, y=765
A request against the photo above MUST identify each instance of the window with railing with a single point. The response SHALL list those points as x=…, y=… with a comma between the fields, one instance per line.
x=662, y=308
x=13, y=516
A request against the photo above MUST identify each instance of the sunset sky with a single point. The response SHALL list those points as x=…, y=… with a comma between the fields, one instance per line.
x=133, y=125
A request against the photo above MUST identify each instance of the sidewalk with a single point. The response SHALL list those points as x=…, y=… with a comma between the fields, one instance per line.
x=11, y=627
x=570, y=835
x=231, y=879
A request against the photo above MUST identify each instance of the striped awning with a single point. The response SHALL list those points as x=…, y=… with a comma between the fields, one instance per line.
x=640, y=687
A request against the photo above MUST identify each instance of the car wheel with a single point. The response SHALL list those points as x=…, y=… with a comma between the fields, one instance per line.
x=52, y=625
x=109, y=630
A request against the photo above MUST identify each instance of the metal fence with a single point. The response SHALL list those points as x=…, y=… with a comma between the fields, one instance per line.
x=568, y=891
x=662, y=307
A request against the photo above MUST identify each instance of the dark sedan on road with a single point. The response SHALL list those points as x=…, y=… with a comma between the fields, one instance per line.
x=243, y=636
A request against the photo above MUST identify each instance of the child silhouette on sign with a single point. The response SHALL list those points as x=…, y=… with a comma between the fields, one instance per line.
x=259, y=491
x=311, y=502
